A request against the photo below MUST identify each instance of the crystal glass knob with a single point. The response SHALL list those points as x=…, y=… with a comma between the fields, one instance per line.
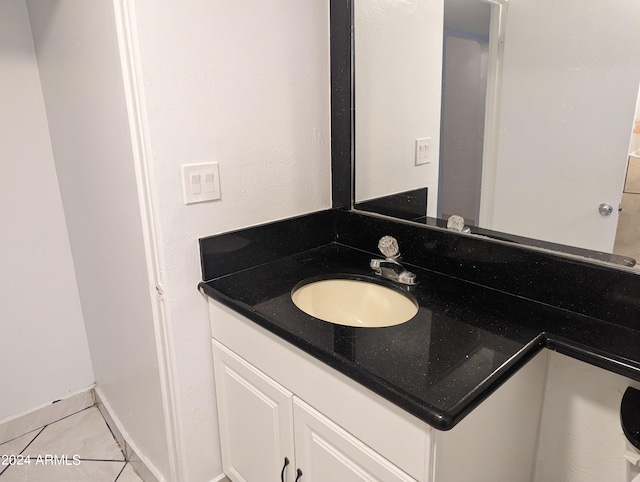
x=388, y=246
x=455, y=223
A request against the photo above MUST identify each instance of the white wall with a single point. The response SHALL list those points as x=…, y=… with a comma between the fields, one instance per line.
x=245, y=84
x=581, y=439
x=463, y=121
x=497, y=440
x=43, y=346
x=398, y=85
x=79, y=63
x=571, y=72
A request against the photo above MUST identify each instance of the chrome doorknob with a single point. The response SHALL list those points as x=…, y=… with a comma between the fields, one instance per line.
x=605, y=209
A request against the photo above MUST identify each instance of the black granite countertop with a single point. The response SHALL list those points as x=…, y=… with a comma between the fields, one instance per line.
x=485, y=307
x=465, y=341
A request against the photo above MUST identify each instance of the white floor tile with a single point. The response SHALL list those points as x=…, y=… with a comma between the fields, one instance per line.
x=628, y=233
x=84, y=434
x=45, y=415
x=85, y=471
x=632, y=184
x=17, y=445
x=129, y=475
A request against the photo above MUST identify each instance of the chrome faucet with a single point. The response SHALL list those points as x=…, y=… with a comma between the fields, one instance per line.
x=390, y=268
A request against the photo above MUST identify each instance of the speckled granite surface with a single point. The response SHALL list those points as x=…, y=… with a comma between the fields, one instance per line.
x=470, y=333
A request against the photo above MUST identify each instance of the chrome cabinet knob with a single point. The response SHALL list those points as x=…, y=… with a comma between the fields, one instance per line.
x=605, y=209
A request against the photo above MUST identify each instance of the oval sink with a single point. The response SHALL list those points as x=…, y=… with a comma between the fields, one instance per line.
x=354, y=303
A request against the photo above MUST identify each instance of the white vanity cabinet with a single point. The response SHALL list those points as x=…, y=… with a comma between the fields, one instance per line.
x=268, y=434
x=256, y=420
x=327, y=452
x=276, y=401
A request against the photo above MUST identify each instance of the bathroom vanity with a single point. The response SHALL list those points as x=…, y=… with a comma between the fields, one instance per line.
x=453, y=394
x=281, y=410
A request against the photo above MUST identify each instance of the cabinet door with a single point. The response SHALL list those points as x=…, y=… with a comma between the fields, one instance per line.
x=255, y=416
x=326, y=453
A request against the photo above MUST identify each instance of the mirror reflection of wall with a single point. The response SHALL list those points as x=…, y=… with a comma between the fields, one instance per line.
x=467, y=28
x=570, y=77
x=398, y=56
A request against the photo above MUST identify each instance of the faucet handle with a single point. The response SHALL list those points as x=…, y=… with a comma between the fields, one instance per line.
x=456, y=223
x=388, y=246
x=407, y=278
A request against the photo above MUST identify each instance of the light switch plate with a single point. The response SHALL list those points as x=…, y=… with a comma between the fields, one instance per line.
x=423, y=147
x=200, y=182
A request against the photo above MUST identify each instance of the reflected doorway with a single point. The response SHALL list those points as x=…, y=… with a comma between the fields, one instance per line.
x=463, y=110
x=471, y=49
x=627, y=241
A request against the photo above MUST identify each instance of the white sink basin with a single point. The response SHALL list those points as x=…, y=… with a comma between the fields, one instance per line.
x=354, y=303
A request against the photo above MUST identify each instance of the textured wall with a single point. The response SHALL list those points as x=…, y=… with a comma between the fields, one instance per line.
x=43, y=347
x=79, y=63
x=244, y=84
x=581, y=439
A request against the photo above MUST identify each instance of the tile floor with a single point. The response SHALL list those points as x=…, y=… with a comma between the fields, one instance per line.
x=77, y=448
x=627, y=241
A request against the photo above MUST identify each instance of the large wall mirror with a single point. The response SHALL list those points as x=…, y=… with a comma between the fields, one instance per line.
x=519, y=115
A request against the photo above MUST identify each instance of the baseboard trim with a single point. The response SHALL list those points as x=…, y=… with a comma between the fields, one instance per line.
x=140, y=464
x=45, y=414
x=221, y=478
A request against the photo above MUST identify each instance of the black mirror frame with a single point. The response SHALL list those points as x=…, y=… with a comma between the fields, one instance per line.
x=342, y=165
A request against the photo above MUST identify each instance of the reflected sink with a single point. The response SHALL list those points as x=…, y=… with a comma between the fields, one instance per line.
x=354, y=303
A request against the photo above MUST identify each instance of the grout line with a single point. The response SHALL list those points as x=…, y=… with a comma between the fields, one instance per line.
x=120, y=473
x=25, y=447
x=14, y=438
x=122, y=449
x=70, y=415
x=101, y=460
x=44, y=414
x=37, y=435
x=124, y=460
x=51, y=423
